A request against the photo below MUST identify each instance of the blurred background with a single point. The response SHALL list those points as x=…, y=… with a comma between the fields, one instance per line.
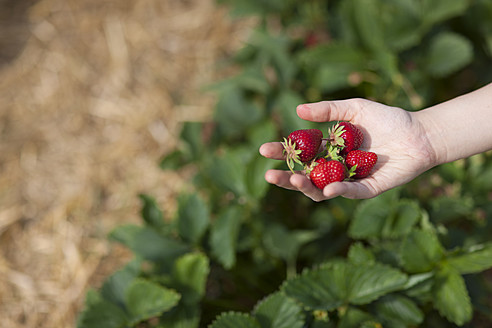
x=92, y=94
x=96, y=96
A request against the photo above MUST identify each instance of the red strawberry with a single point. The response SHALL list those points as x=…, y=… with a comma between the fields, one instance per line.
x=361, y=162
x=345, y=136
x=326, y=172
x=301, y=146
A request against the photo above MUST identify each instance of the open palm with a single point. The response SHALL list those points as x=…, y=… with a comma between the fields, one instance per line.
x=395, y=135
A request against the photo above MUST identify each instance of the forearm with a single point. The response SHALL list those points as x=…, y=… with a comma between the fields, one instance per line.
x=460, y=127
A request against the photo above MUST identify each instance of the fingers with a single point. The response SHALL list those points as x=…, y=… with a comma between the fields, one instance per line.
x=304, y=185
x=299, y=182
x=273, y=150
x=352, y=190
x=280, y=178
x=325, y=111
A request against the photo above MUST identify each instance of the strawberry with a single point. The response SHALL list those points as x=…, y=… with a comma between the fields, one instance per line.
x=326, y=172
x=361, y=162
x=301, y=146
x=344, y=137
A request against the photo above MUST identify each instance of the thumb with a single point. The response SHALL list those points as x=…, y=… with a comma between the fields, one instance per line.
x=326, y=111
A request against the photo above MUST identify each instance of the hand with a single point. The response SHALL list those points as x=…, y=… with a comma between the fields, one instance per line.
x=395, y=135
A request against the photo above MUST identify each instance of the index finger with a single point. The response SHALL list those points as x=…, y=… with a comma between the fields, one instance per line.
x=273, y=150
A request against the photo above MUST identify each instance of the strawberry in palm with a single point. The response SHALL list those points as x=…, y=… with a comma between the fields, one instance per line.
x=326, y=172
x=344, y=137
x=301, y=146
x=361, y=162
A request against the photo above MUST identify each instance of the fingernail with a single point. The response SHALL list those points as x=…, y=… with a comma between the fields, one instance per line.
x=303, y=107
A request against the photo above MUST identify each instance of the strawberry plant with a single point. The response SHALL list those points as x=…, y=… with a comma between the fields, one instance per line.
x=241, y=253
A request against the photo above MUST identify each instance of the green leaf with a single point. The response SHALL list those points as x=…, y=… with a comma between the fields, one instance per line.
x=235, y=320
x=99, y=313
x=151, y=213
x=369, y=218
x=406, y=214
x=234, y=112
x=419, y=287
x=115, y=286
x=434, y=11
x=330, y=77
x=223, y=236
x=322, y=324
x=398, y=309
x=149, y=244
x=192, y=137
x=189, y=276
x=284, y=243
x=182, y=316
x=228, y=171
x=358, y=254
x=256, y=7
x=261, y=133
x=193, y=218
x=285, y=107
x=279, y=242
x=473, y=259
x=125, y=234
x=276, y=48
x=445, y=209
x=336, y=52
x=448, y=53
x=401, y=22
x=253, y=78
x=451, y=297
x=157, y=248
x=278, y=311
x=332, y=64
x=145, y=299
x=255, y=176
x=368, y=25
x=190, y=148
x=354, y=317
x=331, y=286
x=421, y=251
x=417, y=279
x=174, y=160
x=384, y=217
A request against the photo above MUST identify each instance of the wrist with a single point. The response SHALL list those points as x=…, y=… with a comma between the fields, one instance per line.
x=458, y=128
x=434, y=145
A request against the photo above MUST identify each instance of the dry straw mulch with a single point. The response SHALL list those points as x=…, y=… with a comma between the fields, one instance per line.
x=92, y=94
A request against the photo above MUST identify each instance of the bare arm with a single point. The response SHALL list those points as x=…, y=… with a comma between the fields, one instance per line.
x=460, y=127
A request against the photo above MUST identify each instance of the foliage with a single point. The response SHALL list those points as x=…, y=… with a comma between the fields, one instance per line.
x=240, y=253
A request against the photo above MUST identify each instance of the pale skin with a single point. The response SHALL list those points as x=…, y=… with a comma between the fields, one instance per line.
x=407, y=143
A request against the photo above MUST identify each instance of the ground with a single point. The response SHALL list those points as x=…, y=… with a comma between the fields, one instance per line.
x=92, y=95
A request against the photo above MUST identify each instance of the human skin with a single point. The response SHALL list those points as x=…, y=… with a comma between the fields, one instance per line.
x=407, y=143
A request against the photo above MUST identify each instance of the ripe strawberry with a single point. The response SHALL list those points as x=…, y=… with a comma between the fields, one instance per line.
x=345, y=136
x=326, y=172
x=301, y=146
x=361, y=162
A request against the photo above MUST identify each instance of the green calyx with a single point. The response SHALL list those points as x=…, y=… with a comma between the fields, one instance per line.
x=291, y=153
x=335, y=142
x=351, y=172
x=334, y=152
x=335, y=134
